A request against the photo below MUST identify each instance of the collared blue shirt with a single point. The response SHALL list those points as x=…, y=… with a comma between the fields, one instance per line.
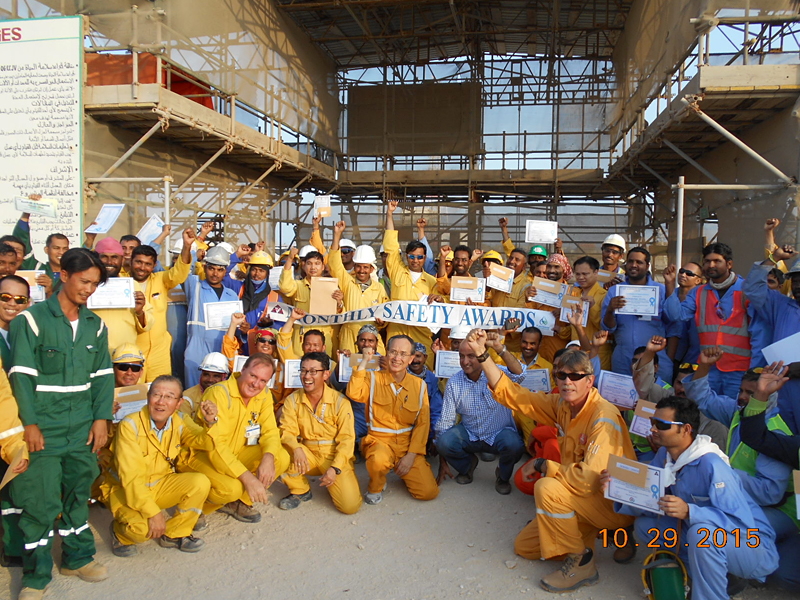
x=159, y=432
x=481, y=415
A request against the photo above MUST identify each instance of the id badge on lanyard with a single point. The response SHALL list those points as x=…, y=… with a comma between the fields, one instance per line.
x=252, y=434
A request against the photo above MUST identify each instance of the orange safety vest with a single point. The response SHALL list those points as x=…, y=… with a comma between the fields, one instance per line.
x=731, y=335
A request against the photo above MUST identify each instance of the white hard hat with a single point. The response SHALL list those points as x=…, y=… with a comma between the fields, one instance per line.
x=460, y=332
x=305, y=250
x=215, y=362
x=177, y=248
x=615, y=240
x=364, y=255
x=345, y=243
x=228, y=247
x=218, y=256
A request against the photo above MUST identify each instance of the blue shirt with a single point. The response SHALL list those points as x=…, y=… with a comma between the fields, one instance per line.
x=159, y=432
x=481, y=415
x=434, y=396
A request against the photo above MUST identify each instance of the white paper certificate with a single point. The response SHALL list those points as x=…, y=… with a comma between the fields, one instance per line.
x=218, y=314
x=537, y=380
x=550, y=293
x=640, y=425
x=787, y=350
x=623, y=486
x=567, y=307
x=474, y=289
x=500, y=278
x=37, y=291
x=238, y=363
x=347, y=364
x=46, y=207
x=640, y=300
x=292, y=374
x=150, y=230
x=322, y=206
x=447, y=364
x=106, y=218
x=618, y=389
x=275, y=278
x=541, y=232
x=116, y=292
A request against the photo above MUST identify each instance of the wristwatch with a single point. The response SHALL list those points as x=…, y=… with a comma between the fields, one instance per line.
x=337, y=470
x=483, y=357
x=503, y=351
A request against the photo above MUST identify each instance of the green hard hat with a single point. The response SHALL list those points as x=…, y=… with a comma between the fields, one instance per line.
x=538, y=251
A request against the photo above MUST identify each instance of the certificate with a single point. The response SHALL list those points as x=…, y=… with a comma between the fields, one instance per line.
x=116, y=292
x=150, y=230
x=18, y=457
x=500, y=278
x=604, y=276
x=640, y=300
x=447, y=364
x=218, y=314
x=106, y=218
x=549, y=292
x=346, y=366
x=131, y=398
x=292, y=374
x=635, y=484
x=640, y=425
x=322, y=206
x=275, y=277
x=45, y=207
x=37, y=291
x=277, y=311
x=537, y=380
x=467, y=288
x=618, y=389
x=787, y=349
x=238, y=363
x=567, y=306
x=321, y=301
x=541, y=232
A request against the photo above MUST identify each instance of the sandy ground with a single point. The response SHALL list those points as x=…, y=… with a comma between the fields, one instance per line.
x=457, y=546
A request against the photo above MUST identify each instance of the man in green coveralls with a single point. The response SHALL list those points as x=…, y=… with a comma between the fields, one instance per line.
x=64, y=385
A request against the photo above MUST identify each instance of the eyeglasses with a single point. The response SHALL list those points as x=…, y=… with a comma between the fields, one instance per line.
x=663, y=425
x=688, y=273
x=687, y=366
x=124, y=367
x=18, y=299
x=168, y=397
x=397, y=353
x=263, y=340
x=612, y=250
x=416, y=256
x=561, y=376
x=312, y=372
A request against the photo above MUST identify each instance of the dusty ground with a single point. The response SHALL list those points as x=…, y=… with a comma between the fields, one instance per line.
x=457, y=546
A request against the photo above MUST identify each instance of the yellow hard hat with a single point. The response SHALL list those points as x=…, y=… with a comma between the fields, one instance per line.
x=449, y=256
x=492, y=255
x=261, y=258
x=127, y=353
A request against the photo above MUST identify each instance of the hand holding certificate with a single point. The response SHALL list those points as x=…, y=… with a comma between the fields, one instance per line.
x=640, y=300
x=537, y=380
x=618, y=389
x=447, y=364
x=549, y=292
x=44, y=207
x=151, y=230
x=467, y=288
x=640, y=425
x=635, y=484
x=500, y=278
x=106, y=218
x=116, y=292
x=218, y=314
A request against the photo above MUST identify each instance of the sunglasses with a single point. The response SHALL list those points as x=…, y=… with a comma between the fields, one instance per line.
x=416, y=256
x=263, y=340
x=663, y=425
x=18, y=299
x=561, y=376
x=688, y=273
x=124, y=367
x=347, y=250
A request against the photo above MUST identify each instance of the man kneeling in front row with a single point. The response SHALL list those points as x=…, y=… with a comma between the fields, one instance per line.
x=246, y=438
x=146, y=449
x=317, y=428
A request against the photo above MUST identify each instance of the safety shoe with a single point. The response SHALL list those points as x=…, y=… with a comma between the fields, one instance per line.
x=241, y=512
x=487, y=456
x=373, y=499
x=201, y=525
x=625, y=554
x=30, y=594
x=465, y=478
x=502, y=486
x=120, y=549
x=92, y=572
x=184, y=544
x=293, y=500
x=572, y=574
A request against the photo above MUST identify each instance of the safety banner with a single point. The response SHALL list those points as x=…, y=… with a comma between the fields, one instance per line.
x=437, y=316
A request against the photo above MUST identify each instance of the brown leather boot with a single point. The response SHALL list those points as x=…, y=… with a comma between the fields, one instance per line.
x=572, y=575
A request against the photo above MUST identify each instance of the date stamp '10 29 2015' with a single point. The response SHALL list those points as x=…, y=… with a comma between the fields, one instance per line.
x=669, y=538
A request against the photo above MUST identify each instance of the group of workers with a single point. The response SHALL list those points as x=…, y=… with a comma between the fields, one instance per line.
x=225, y=413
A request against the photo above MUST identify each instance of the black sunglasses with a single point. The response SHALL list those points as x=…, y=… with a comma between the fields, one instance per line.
x=128, y=367
x=262, y=340
x=688, y=273
x=561, y=376
x=663, y=425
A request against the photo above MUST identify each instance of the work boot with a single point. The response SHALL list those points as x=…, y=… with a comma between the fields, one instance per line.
x=293, y=500
x=92, y=572
x=466, y=478
x=572, y=574
x=184, y=544
x=120, y=549
x=373, y=499
x=502, y=486
x=241, y=512
x=625, y=554
x=487, y=456
x=201, y=525
x=30, y=594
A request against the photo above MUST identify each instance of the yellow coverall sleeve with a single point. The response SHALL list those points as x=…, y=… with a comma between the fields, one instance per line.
x=290, y=428
x=336, y=267
x=177, y=274
x=345, y=434
x=444, y=285
x=285, y=348
x=222, y=432
x=538, y=406
x=270, y=440
x=132, y=469
x=287, y=284
x=230, y=346
x=398, y=272
x=508, y=246
x=11, y=429
x=582, y=478
x=358, y=387
x=316, y=241
x=148, y=319
x=422, y=427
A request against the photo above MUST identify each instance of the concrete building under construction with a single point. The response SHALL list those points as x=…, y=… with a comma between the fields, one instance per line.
x=661, y=120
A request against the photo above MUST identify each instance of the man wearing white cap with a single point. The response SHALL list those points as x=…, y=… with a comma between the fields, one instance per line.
x=360, y=291
x=213, y=369
x=613, y=250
